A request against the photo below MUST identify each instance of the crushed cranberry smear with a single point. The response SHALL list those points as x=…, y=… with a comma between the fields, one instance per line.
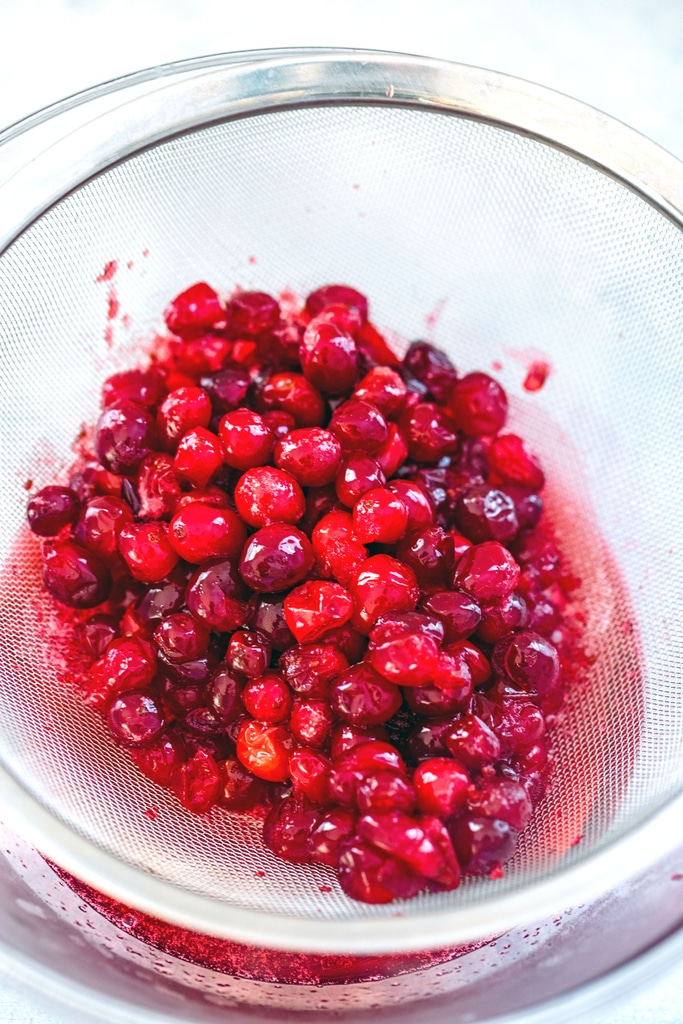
x=313, y=583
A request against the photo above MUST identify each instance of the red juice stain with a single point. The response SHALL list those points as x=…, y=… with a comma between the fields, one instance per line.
x=676, y=878
x=109, y=271
x=129, y=264
x=252, y=260
x=259, y=874
x=28, y=485
x=145, y=252
x=109, y=336
x=496, y=365
x=356, y=187
x=113, y=305
x=325, y=888
x=432, y=319
x=151, y=812
x=536, y=376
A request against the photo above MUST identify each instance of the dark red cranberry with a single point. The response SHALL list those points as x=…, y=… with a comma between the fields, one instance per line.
x=124, y=436
x=158, y=487
x=249, y=314
x=345, y=318
x=240, y=791
x=287, y=830
x=98, y=633
x=331, y=829
x=358, y=473
x=478, y=405
x=501, y=799
x=248, y=653
x=265, y=750
x=328, y=356
x=198, y=456
x=337, y=294
x=502, y=617
x=51, y=509
x=265, y=495
x=275, y=558
x=531, y=662
x=75, y=576
x=368, y=874
x=310, y=721
x=544, y=617
x=359, y=426
x=432, y=701
x=350, y=768
x=194, y=310
x=182, y=409
x=92, y=479
x=310, y=668
x=432, y=368
x=383, y=388
x=420, y=510
x=470, y=660
x=394, y=625
x=410, y=660
x=268, y=617
x=346, y=736
x=385, y=791
x=379, y=516
x=422, y=843
x=127, y=664
x=292, y=393
x=487, y=572
x=309, y=770
x=484, y=513
x=381, y=585
x=101, y=523
x=179, y=698
x=512, y=462
x=429, y=553
x=200, y=532
x=223, y=692
x=195, y=672
x=246, y=438
x=316, y=607
x=482, y=844
x=146, y=387
x=364, y=697
x=472, y=742
x=267, y=698
x=518, y=723
x=319, y=501
x=311, y=455
x=160, y=760
x=441, y=786
x=147, y=551
x=226, y=389
x=429, y=432
x=528, y=506
x=197, y=783
x=180, y=637
x=135, y=719
x=458, y=612
x=216, y=596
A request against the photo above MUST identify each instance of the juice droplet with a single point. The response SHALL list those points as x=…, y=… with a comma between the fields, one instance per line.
x=536, y=376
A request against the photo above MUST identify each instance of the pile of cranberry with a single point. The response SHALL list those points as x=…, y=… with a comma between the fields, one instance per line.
x=317, y=590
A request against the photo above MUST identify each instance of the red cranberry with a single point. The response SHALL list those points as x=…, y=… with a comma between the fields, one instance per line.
x=275, y=558
x=240, y=791
x=528, y=506
x=356, y=763
x=265, y=495
x=248, y=653
x=544, y=617
x=336, y=547
x=478, y=405
x=420, y=511
x=421, y=843
x=362, y=696
x=75, y=576
x=379, y=516
x=441, y=785
x=359, y=426
x=383, y=388
x=367, y=874
x=292, y=393
x=200, y=532
x=182, y=409
x=98, y=633
x=393, y=453
x=531, y=662
x=135, y=719
x=101, y=523
x=470, y=660
x=337, y=294
x=432, y=368
x=180, y=637
x=502, y=617
x=124, y=437
x=197, y=783
x=195, y=672
x=287, y=830
x=428, y=739
x=247, y=439
x=51, y=509
x=146, y=387
x=346, y=736
x=309, y=770
x=315, y=607
x=331, y=829
x=358, y=474
x=539, y=555
x=458, y=612
x=472, y=742
x=127, y=664
x=179, y=698
x=429, y=432
x=264, y=750
x=410, y=660
x=518, y=724
x=432, y=701
x=249, y=314
x=385, y=791
x=381, y=585
x=199, y=455
x=267, y=698
x=502, y=799
x=216, y=596
x=319, y=501
x=345, y=318
x=226, y=389
x=207, y=354
x=487, y=572
x=224, y=694
x=429, y=553
x=310, y=668
x=195, y=310
x=512, y=462
x=160, y=760
x=482, y=844
x=329, y=358
x=147, y=551
x=484, y=513
x=394, y=625
x=310, y=721
x=311, y=455
x=158, y=487
x=94, y=479
x=268, y=618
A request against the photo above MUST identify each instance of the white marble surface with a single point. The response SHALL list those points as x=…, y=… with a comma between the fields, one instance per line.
x=623, y=56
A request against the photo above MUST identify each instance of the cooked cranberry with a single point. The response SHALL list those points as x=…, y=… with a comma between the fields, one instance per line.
x=472, y=742
x=127, y=664
x=147, y=550
x=158, y=487
x=410, y=660
x=428, y=739
x=502, y=799
x=287, y=830
x=224, y=694
x=336, y=547
x=292, y=393
x=310, y=721
x=246, y=438
x=206, y=354
x=217, y=746
x=459, y=613
x=353, y=766
x=326, y=836
x=399, y=624
x=182, y=409
x=429, y=432
x=200, y=532
x=309, y=770
x=519, y=724
x=180, y=637
x=359, y=426
x=420, y=511
x=92, y=479
x=275, y=558
x=198, y=456
x=316, y=607
x=432, y=701
x=249, y=314
x=197, y=783
x=346, y=736
x=441, y=785
x=266, y=495
x=310, y=668
x=478, y=405
x=98, y=633
x=311, y=455
x=393, y=453
x=265, y=749
x=487, y=572
x=531, y=662
x=367, y=874
x=429, y=553
x=135, y=719
x=160, y=760
x=484, y=513
x=75, y=576
x=544, y=617
x=470, y=659
x=512, y=462
x=124, y=436
x=248, y=653
x=379, y=516
x=269, y=618
x=337, y=294
x=319, y=501
x=358, y=473
x=528, y=506
x=432, y=368
x=385, y=791
x=421, y=842
x=267, y=698
x=179, y=698
x=383, y=388
x=502, y=617
x=381, y=585
x=362, y=696
x=226, y=389
x=329, y=358
x=101, y=523
x=51, y=509
x=146, y=387
x=194, y=310
x=197, y=671
x=482, y=844
x=240, y=791
x=216, y=596
x=346, y=318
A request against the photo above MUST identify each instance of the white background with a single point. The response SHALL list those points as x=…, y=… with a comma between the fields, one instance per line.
x=623, y=56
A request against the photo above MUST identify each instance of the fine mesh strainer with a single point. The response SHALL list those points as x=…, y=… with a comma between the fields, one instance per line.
x=504, y=221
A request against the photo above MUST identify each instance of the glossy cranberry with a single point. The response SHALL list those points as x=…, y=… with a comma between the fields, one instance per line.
x=207, y=354
x=420, y=510
x=328, y=356
x=265, y=495
x=92, y=479
x=248, y=653
x=197, y=783
x=393, y=453
x=309, y=770
x=135, y=719
x=432, y=368
x=528, y=506
x=101, y=523
x=75, y=576
x=319, y=501
x=358, y=473
x=359, y=426
x=484, y=513
x=385, y=791
x=429, y=432
x=316, y=607
x=200, y=532
x=246, y=438
x=367, y=874
x=224, y=694
x=539, y=555
x=179, y=698
x=145, y=387
x=198, y=456
x=240, y=791
x=124, y=436
x=182, y=409
x=216, y=596
x=249, y=314
x=346, y=736
x=531, y=662
x=487, y=572
x=51, y=509
x=429, y=553
x=337, y=294
x=194, y=310
x=311, y=455
x=287, y=830
x=227, y=389
x=441, y=785
x=327, y=835
x=293, y=393
x=268, y=618
x=364, y=697
x=472, y=742
x=158, y=487
x=428, y=739
x=147, y=550
x=265, y=749
x=395, y=625
x=337, y=550
x=160, y=760
x=512, y=462
x=275, y=558
x=544, y=617
x=180, y=637
x=379, y=516
x=502, y=617
x=198, y=671
x=518, y=723
x=459, y=613
x=432, y=701
x=422, y=843
x=159, y=600
x=267, y=698
x=351, y=767
x=470, y=660
x=381, y=585
x=410, y=660
x=310, y=668
x=98, y=632
x=310, y=721
x=345, y=318
x=482, y=844
x=127, y=664
x=478, y=405
x=501, y=799
x=384, y=388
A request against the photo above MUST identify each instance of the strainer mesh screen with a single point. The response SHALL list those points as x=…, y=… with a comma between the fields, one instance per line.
x=498, y=246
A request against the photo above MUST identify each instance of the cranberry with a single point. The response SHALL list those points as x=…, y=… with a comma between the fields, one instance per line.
x=94, y=479
x=180, y=637
x=101, y=523
x=206, y=354
x=385, y=791
x=224, y=694
x=528, y=506
x=362, y=696
x=309, y=770
x=249, y=314
x=267, y=698
x=410, y=660
x=458, y=612
x=182, y=409
x=429, y=432
x=265, y=495
x=316, y=607
x=247, y=439
x=482, y=844
x=358, y=474
x=240, y=791
x=367, y=874
x=539, y=555
x=544, y=617
x=195, y=672
x=216, y=596
x=478, y=405
x=512, y=462
x=432, y=701
x=248, y=653
x=269, y=619
x=98, y=633
x=275, y=558
x=127, y=664
x=147, y=551
x=484, y=513
x=391, y=456
x=194, y=310
x=422, y=843
x=470, y=660
x=293, y=393
x=135, y=719
x=428, y=739
x=420, y=511
x=124, y=436
x=160, y=760
x=200, y=532
x=379, y=516
x=197, y=783
x=502, y=617
x=353, y=766
x=432, y=368
x=264, y=750
x=145, y=387
x=51, y=509
x=381, y=585
x=178, y=698
x=198, y=456
x=310, y=668
x=336, y=547
x=158, y=487
x=345, y=318
x=337, y=294
x=487, y=572
x=531, y=662
x=287, y=830
x=441, y=785
x=311, y=455
x=394, y=625
x=502, y=799
x=310, y=721
x=359, y=426
x=329, y=358
x=429, y=553
x=226, y=389
x=346, y=736
x=472, y=742
x=319, y=501
x=383, y=388
x=329, y=832
x=75, y=576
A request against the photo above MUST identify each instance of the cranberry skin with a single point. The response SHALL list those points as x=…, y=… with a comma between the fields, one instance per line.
x=94, y=479
x=484, y=513
x=429, y=432
x=329, y=358
x=328, y=834
x=180, y=637
x=420, y=510
x=248, y=653
x=337, y=550
x=264, y=496
x=310, y=721
x=124, y=436
x=160, y=760
x=246, y=438
x=363, y=697
x=198, y=456
x=530, y=661
x=51, y=509
x=128, y=664
x=470, y=661
x=379, y=516
x=293, y=393
x=265, y=750
x=432, y=368
x=145, y=387
x=311, y=455
x=181, y=410
x=249, y=314
x=420, y=842
x=197, y=783
x=287, y=830
x=276, y=558
x=487, y=572
x=482, y=844
x=216, y=596
x=158, y=487
x=528, y=506
x=135, y=719
x=410, y=660
x=310, y=668
x=316, y=607
x=432, y=701
x=319, y=501
x=519, y=724
x=226, y=389
x=429, y=553
x=224, y=694
x=501, y=799
x=177, y=698
x=394, y=625
x=240, y=791
x=512, y=462
x=358, y=473
x=206, y=354
x=281, y=423
x=371, y=876
x=346, y=736
x=98, y=633
x=393, y=452
x=428, y=739
x=441, y=785
x=478, y=405
x=200, y=532
x=359, y=426
x=384, y=388
x=101, y=523
x=337, y=295
x=268, y=698
x=309, y=770
x=385, y=791
x=268, y=618
x=502, y=617
x=194, y=311
x=74, y=576
x=147, y=550
x=381, y=585
x=355, y=764
x=472, y=742
x=459, y=613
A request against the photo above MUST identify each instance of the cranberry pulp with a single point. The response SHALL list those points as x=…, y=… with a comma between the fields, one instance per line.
x=314, y=592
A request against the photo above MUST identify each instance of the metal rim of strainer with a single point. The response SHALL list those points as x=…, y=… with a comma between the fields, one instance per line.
x=54, y=151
